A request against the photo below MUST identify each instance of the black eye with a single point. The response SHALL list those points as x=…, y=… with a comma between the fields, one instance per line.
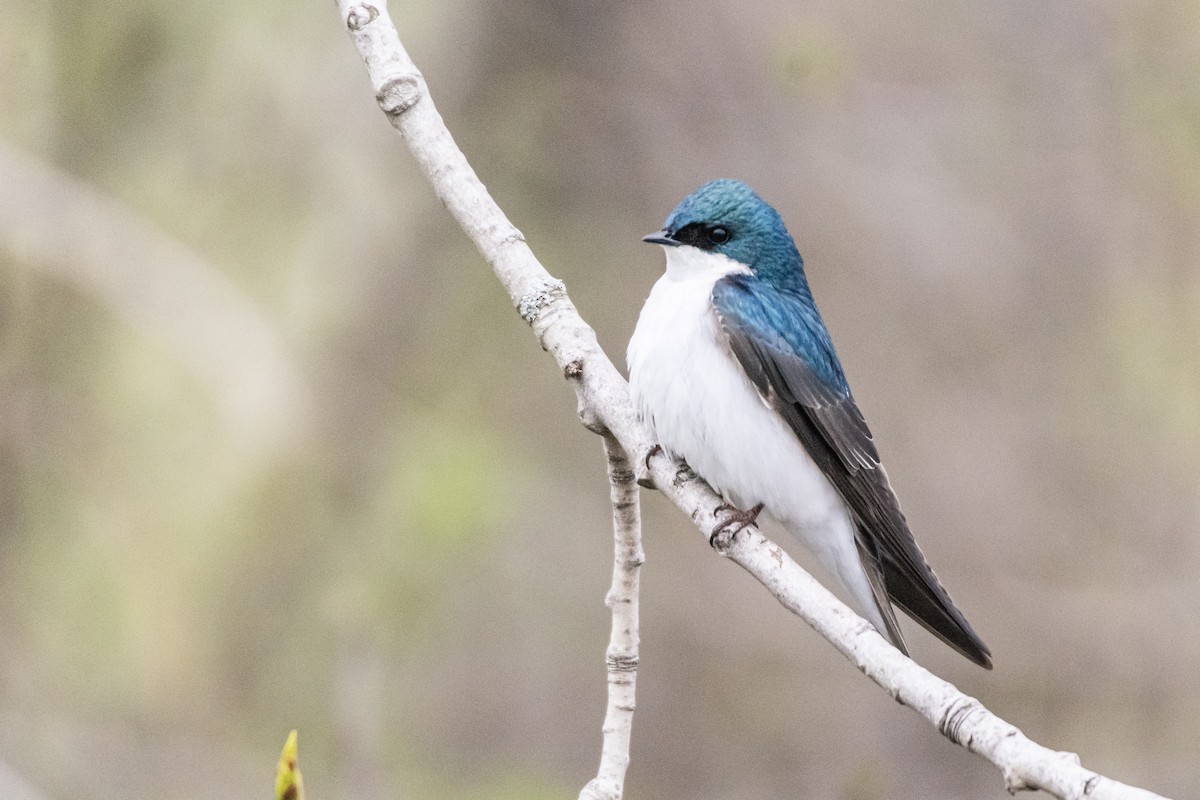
x=717, y=235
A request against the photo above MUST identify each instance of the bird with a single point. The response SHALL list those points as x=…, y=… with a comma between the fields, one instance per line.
x=733, y=370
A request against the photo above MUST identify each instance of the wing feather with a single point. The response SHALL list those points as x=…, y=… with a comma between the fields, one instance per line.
x=801, y=378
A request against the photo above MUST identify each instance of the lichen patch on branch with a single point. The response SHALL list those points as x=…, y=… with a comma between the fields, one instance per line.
x=532, y=302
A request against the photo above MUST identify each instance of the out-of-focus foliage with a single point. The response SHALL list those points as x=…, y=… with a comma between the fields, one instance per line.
x=382, y=522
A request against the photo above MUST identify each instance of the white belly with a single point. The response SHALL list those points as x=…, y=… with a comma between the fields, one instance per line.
x=701, y=407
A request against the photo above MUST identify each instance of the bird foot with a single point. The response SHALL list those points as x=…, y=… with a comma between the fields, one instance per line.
x=735, y=521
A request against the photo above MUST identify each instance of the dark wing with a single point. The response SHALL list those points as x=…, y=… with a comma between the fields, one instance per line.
x=802, y=380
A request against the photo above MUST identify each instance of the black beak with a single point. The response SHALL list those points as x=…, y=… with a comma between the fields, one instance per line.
x=662, y=237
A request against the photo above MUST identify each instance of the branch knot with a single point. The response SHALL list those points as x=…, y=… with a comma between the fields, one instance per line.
x=399, y=95
x=361, y=16
x=683, y=475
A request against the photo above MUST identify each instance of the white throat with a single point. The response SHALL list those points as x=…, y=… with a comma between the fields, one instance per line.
x=686, y=263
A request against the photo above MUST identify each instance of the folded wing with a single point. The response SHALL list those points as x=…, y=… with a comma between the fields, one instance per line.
x=799, y=375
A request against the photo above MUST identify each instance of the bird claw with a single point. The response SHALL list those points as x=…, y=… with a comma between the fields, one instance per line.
x=645, y=481
x=735, y=521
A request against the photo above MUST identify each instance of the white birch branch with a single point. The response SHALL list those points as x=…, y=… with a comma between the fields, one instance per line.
x=621, y=658
x=604, y=406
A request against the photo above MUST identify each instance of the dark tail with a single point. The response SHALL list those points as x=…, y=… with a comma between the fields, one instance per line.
x=937, y=613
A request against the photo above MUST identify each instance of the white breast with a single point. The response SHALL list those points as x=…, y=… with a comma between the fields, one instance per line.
x=701, y=407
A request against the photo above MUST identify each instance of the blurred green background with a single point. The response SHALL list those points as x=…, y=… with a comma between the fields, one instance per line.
x=276, y=451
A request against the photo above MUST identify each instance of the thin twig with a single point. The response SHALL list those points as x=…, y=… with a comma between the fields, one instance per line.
x=621, y=658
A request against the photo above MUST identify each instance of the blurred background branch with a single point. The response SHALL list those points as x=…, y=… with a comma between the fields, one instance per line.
x=14, y=787
x=94, y=242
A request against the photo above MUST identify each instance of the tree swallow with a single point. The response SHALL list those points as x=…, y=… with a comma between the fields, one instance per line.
x=733, y=370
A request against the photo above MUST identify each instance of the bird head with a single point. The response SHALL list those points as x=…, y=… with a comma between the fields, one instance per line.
x=726, y=217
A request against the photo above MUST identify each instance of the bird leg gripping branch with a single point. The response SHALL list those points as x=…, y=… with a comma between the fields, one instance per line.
x=604, y=398
x=733, y=521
